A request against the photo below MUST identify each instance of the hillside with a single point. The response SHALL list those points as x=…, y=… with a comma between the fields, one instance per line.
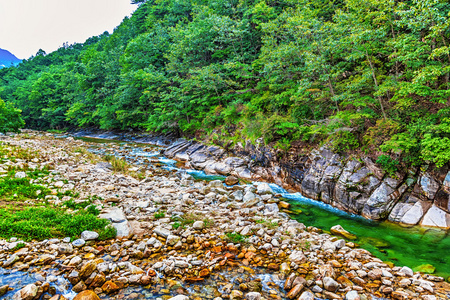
x=363, y=76
x=7, y=59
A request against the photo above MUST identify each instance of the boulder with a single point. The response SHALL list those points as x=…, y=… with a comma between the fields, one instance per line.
x=339, y=230
x=86, y=295
x=380, y=202
x=330, y=284
x=436, y=217
x=429, y=186
x=231, y=180
x=264, y=188
x=29, y=292
x=4, y=289
x=409, y=212
x=306, y=296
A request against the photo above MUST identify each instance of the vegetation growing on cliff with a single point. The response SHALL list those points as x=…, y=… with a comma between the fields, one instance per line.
x=370, y=75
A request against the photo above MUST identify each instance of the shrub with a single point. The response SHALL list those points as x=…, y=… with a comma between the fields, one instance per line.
x=43, y=223
x=388, y=164
x=236, y=238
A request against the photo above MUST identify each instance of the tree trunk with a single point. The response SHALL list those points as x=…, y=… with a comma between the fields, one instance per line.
x=376, y=84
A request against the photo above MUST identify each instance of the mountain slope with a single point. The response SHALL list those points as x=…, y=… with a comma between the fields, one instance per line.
x=7, y=58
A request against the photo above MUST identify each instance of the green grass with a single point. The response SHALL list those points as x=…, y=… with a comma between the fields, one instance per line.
x=268, y=223
x=118, y=164
x=236, y=238
x=44, y=223
x=21, y=189
x=159, y=215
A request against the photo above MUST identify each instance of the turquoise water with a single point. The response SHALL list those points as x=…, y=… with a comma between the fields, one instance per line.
x=413, y=247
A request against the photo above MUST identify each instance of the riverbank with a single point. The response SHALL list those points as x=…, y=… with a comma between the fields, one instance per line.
x=175, y=233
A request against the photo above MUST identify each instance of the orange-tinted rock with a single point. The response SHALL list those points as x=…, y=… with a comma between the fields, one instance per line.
x=86, y=295
x=58, y=297
x=145, y=280
x=295, y=291
x=109, y=287
x=204, y=273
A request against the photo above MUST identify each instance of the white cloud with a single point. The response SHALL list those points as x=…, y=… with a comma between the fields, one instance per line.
x=29, y=25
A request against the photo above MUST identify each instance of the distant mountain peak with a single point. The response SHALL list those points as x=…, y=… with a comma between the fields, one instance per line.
x=7, y=59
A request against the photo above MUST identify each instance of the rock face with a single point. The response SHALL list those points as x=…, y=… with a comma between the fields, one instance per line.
x=356, y=186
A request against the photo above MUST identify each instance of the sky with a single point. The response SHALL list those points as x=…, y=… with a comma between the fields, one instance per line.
x=29, y=25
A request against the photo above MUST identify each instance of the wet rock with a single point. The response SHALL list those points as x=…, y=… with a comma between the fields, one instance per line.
x=87, y=269
x=75, y=261
x=73, y=277
x=110, y=287
x=29, y=292
x=79, y=287
x=284, y=205
x=338, y=230
x=89, y=235
x=235, y=294
x=253, y=296
x=4, y=289
x=86, y=295
x=58, y=297
x=425, y=268
x=146, y=280
x=11, y=261
x=295, y=291
x=231, y=180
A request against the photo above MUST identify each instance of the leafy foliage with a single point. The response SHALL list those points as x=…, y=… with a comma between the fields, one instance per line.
x=10, y=119
x=43, y=223
x=371, y=75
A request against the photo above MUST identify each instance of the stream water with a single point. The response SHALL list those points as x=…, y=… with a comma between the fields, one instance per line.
x=422, y=249
x=414, y=247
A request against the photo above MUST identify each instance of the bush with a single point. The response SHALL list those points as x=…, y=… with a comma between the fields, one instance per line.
x=344, y=141
x=388, y=164
x=44, y=223
x=10, y=119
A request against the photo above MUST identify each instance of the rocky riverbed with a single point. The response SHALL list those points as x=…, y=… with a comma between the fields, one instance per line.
x=180, y=238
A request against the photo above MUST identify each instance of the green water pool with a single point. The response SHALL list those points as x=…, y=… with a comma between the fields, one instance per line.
x=415, y=247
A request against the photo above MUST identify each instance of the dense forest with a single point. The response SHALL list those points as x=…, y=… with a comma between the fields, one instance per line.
x=368, y=75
